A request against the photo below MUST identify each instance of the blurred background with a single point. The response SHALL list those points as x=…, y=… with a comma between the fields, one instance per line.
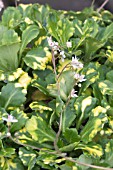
x=64, y=4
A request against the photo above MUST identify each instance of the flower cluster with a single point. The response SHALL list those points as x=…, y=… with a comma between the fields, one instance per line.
x=62, y=54
x=55, y=47
x=69, y=44
x=75, y=63
x=53, y=44
x=79, y=78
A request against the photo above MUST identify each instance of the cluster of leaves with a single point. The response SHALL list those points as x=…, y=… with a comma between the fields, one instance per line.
x=29, y=89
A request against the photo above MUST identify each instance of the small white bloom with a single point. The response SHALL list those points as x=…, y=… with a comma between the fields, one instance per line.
x=62, y=53
x=80, y=65
x=55, y=52
x=76, y=76
x=1, y=5
x=79, y=77
x=62, y=56
x=16, y=134
x=8, y=134
x=55, y=46
x=74, y=60
x=73, y=93
x=79, y=85
x=10, y=119
x=50, y=42
x=69, y=44
x=75, y=63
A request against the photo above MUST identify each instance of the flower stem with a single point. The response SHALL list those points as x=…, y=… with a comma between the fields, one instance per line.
x=61, y=155
x=102, y=6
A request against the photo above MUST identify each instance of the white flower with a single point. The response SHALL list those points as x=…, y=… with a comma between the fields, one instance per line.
x=76, y=76
x=75, y=63
x=52, y=43
x=8, y=134
x=73, y=93
x=55, y=46
x=62, y=56
x=16, y=134
x=69, y=44
x=55, y=52
x=79, y=85
x=62, y=53
x=10, y=119
x=1, y=5
x=79, y=77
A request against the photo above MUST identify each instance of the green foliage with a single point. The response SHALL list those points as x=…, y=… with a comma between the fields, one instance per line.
x=33, y=32
x=9, y=47
x=38, y=129
x=37, y=58
x=11, y=96
x=61, y=29
x=55, y=114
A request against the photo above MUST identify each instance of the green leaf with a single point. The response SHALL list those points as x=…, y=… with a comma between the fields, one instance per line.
x=52, y=25
x=41, y=79
x=11, y=17
x=39, y=106
x=11, y=96
x=83, y=107
x=39, y=13
x=106, y=87
x=84, y=159
x=9, y=47
x=38, y=58
x=94, y=124
x=8, y=37
x=65, y=86
x=96, y=91
x=67, y=118
x=28, y=35
x=65, y=30
x=61, y=29
x=39, y=130
x=69, y=147
x=7, y=152
x=109, y=153
x=65, y=167
x=91, y=46
x=59, y=105
x=21, y=117
x=91, y=149
x=108, y=33
x=109, y=76
x=91, y=75
x=28, y=157
x=71, y=135
x=13, y=163
x=8, y=57
x=90, y=27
